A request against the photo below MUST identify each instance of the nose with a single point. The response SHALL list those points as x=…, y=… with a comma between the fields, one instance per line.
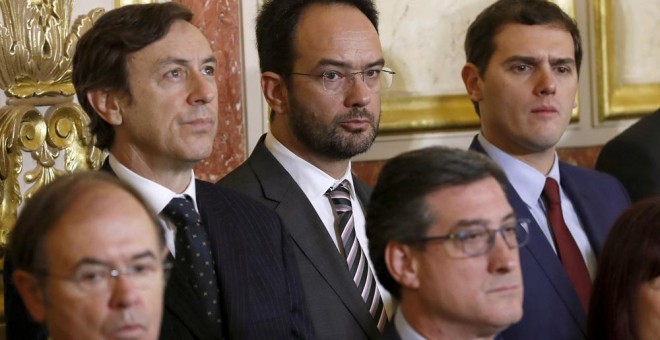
x=358, y=94
x=546, y=83
x=502, y=259
x=124, y=293
x=202, y=89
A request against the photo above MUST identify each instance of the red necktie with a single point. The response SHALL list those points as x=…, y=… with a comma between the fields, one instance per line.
x=567, y=249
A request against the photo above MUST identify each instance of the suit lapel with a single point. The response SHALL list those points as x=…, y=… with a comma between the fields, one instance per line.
x=307, y=230
x=589, y=217
x=539, y=253
x=182, y=302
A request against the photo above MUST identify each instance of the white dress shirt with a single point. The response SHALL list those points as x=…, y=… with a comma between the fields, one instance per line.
x=406, y=332
x=528, y=183
x=314, y=183
x=155, y=195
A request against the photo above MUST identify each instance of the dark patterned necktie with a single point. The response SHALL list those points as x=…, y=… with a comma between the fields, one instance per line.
x=193, y=254
x=569, y=253
x=358, y=266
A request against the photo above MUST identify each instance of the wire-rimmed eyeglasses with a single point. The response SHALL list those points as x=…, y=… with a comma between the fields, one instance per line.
x=336, y=82
x=478, y=239
x=95, y=278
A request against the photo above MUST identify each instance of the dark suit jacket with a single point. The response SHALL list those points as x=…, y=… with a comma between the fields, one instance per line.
x=551, y=307
x=634, y=157
x=260, y=290
x=336, y=308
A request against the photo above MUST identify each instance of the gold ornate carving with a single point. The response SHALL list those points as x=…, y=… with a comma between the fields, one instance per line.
x=36, y=46
x=43, y=134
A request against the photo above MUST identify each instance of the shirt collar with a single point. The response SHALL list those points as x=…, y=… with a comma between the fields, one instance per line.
x=311, y=180
x=403, y=327
x=156, y=195
x=527, y=181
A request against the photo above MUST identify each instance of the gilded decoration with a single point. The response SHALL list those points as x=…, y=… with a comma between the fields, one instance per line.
x=43, y=133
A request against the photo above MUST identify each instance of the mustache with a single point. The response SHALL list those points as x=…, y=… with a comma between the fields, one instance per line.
x=357, y=113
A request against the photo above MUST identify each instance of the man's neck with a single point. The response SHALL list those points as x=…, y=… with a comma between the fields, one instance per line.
x=175, y=179
x=336, y=168
x=431, y=327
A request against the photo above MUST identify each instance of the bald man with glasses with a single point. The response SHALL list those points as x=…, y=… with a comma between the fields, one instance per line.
x=444, y=241
x=90, y=260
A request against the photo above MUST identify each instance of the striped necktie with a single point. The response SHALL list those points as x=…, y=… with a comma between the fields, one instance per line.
x=358, y=266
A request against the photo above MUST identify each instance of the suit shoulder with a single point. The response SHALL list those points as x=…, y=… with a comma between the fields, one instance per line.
x=585, y=174
x=211, y=193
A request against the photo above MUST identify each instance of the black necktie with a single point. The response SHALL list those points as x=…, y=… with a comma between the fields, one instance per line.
x=358, y=266
x=193, y=254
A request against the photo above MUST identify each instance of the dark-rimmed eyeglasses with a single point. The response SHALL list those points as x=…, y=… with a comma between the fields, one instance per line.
x=478, y=239
x=335, y=82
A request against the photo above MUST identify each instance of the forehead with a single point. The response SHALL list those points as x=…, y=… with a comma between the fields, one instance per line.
x=106, y=224
x=183, y=41
x=482, y=200
x=338, y=32
x=533, y=40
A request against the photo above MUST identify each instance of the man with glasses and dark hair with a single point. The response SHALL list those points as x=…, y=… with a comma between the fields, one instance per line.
x=90, y=259
x=444, y=241
x=323, y=73
x=523, y=62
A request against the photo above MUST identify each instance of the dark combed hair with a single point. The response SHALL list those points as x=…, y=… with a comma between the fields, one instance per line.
x=630, y=257
x=42, y=212
x=480, y=38
x=100, y=60
x=276, y=29
x=398, y=211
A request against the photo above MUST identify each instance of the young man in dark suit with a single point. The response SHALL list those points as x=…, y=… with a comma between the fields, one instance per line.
x=523, y=59
x=444, y=240
x=322, y=75
x=146, y=77
x=634, y=158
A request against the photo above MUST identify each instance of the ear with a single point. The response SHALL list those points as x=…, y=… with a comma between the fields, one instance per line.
x=275, y=92
x=401, y=264
x=470, y=75
x=107, y=105
x=32, y=294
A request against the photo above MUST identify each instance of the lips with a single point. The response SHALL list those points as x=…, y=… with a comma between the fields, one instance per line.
x=544, y=109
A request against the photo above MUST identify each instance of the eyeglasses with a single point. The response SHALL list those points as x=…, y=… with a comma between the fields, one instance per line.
x=478, y=239
x=335, y=82
x=95, y=278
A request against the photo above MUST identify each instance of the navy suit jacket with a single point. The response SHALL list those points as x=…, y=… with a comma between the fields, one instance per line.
x=551, y=307
x=334, y=303
x=634, y=157
x=260, y=291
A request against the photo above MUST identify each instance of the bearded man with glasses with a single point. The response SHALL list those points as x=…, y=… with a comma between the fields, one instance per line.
x=323, y=74
x=90, y=260
x=444, y=241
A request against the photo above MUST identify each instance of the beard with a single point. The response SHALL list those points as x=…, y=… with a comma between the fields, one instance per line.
x=332, y=141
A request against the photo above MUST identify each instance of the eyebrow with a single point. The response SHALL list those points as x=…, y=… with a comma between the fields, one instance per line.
x=180, y=61
x=479, y=221
x=86, y=261
x=536, y=61
x=333, y=62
